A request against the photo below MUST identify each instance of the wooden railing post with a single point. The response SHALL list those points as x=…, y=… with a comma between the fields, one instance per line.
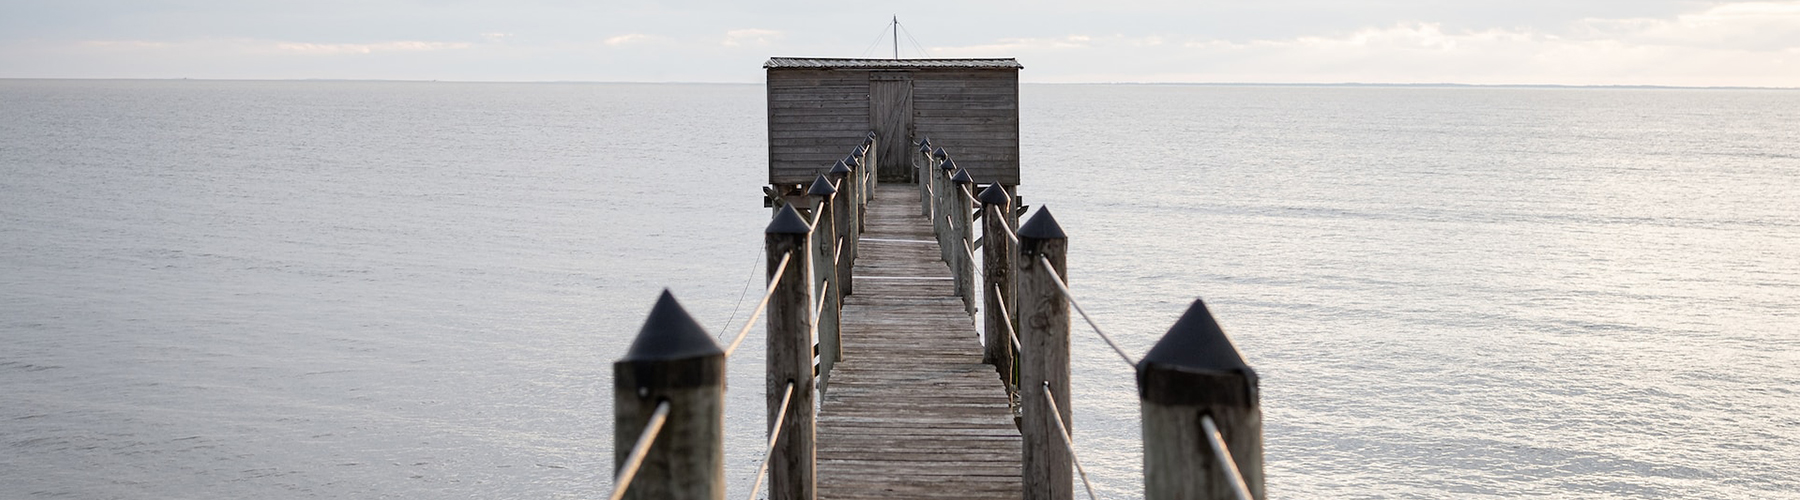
x=855, y=164
x=672, y=360
x=1195, y=371
x=923, y=176
x=845, y=215
x=869, y=162
x=962, y=236
x=940, y=206
x=826, y=286
x=1044, y=333
x=997, y=278
x=789, y=359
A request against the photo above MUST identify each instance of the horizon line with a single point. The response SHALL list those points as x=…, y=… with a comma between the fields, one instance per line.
x=1195, y=84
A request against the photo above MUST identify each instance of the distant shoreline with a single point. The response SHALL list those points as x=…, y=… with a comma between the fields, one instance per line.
x=1148, y=84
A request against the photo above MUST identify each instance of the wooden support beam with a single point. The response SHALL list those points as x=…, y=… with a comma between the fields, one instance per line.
x=1044, y=334
x=789, y=359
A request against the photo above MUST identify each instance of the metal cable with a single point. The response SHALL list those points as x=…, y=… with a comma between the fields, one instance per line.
x=774, y=434
x=629, y=470
x=1084, y=315
x=1063, y=429
x=780, y=269
x=1217, y=440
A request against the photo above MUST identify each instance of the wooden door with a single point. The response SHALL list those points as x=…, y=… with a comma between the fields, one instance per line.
x=891, y=113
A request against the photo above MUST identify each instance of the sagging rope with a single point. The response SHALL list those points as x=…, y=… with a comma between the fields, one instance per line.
x=780, y=269
x=629, y=470
x=774, y=435
x=1063, y=430
x=1060, y=285
x=1217, y=440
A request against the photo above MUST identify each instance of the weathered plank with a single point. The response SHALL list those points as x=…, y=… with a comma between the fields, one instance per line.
x=911, y=411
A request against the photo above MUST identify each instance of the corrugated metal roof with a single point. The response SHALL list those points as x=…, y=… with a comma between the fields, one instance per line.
x=836, y=63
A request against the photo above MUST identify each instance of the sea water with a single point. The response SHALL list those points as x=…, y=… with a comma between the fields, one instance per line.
x=218, y=289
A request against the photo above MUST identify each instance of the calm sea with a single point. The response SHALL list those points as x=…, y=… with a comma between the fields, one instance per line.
x=415, y=290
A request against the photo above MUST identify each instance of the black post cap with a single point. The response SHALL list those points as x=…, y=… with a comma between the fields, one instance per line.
x=839, y=168
x=671, y=351
x=671, y=333
x=962, y=177
x=925, y=145
x=1042, y=226
x=948, y=165
x=1196, y=364
x=939, y=153
x=821, y=187
x=850, y=161
x=787, y=221
x=871, y=135
x=994, y=195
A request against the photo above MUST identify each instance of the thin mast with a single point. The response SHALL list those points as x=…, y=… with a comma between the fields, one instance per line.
x=896, y=37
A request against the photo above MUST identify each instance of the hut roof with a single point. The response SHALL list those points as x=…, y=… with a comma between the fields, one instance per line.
x=837, y=63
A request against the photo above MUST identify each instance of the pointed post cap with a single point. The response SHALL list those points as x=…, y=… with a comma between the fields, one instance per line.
x=787, y=221
x=948, y=165
x=821, y=187
x=871, y=136
x=1196, y=364
x=861, y=150
x=962, y=177
x=850, y=161
x=671, y=333
x=1042, y=226
x=925, y=145
x=839, y=168
x=671, y=351
x=939, y=154
x=994, y=195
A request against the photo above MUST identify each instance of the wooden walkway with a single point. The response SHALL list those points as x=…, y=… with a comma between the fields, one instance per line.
x=911, y=412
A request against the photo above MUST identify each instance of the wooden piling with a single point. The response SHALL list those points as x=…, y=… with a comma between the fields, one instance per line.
x=997, y=276
x=940, y=205
x=827, y=288
x=962, y=236
x=789, y=360
x=1044, y=334
x=1195, y=371
x=844, y=207
x=673, y=360
x=923, y=165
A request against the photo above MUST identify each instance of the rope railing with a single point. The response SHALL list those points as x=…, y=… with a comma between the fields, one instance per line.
x=1064, y=287
x=762, y=305
x=1063, y=429
x=1226, y=461
x=1006, y=319
x=774, y=435
x=819, y=309
x=629, y=469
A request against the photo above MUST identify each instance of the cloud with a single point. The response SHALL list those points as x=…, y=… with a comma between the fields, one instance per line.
x=1750, y=44
x=366, y=48
x=739, y=37
x=629, y=39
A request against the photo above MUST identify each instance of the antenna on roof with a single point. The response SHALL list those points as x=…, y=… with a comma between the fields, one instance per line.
x=896, y=37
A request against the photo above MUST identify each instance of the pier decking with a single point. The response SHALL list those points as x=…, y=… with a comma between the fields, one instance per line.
x=911, y=411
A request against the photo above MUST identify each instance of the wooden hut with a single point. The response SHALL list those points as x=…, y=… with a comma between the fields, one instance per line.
x=820, y=108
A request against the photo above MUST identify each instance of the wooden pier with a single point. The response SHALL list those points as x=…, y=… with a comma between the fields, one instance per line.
x=873, y=295
x=911, y=411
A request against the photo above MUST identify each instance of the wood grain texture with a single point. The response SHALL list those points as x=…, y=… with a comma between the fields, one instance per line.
x=911, y=411
x=816, y=115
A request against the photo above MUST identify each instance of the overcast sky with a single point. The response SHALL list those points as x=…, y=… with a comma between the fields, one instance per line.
x=1577, y=42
